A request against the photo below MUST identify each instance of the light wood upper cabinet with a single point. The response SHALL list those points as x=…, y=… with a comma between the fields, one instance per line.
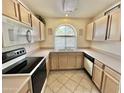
x=90, y=31
x=71, y=60
x=42, y=31
x=114, y=32
x=10, y=9
x=111, y=81
x=36, y=27
x=63, y=61
x=97, y=74
x=25, y=16
x=54, y=61
x=100, y=28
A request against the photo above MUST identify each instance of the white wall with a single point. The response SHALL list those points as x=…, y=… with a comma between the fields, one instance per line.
x=54, y=22
x=112, y=47
x=28, y=47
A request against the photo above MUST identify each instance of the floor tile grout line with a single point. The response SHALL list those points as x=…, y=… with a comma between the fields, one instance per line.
x=68, y=78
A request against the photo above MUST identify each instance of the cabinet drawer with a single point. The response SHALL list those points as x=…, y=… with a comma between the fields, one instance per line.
x=112, y=73
x=98, y=63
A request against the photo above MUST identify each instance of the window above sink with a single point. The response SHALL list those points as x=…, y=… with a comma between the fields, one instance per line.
x=65, y=38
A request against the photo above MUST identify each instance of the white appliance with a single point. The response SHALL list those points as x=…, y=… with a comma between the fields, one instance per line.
x=88, y=64
x=15, y=33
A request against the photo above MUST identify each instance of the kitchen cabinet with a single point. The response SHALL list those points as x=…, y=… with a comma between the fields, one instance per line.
x=25, y=16
x=17, y=84
x=111, y=81
x=114, y=32
x=26, y=88
x=97, y=74
x=54, y=61
x=79, y=60
x=100, y=28
x=63, y=61
x=10, y=9
x=42, y=31
x=90, y=31
x=71, y=60
x=36, y=28
x=47, y=65
x=66, y=60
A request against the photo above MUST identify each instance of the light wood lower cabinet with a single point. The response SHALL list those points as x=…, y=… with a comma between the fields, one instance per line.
x=79, y=60
x=97, y=74
x=63, y=61
x=27, y=88
x=111, y=81
x=54, y=61
x=71, y=60
x=47, y=65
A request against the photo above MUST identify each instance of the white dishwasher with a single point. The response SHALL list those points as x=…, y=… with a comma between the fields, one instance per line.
x=88, y=63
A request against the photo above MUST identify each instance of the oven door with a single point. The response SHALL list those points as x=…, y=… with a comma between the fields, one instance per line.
x=39, y=77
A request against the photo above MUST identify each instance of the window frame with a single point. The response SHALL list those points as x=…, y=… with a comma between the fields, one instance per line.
x=75, y=34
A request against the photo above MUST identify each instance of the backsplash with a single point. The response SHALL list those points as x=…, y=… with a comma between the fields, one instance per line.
x=29, y=47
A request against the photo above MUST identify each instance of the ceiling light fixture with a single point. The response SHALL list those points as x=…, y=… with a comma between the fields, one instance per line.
x=69, y=5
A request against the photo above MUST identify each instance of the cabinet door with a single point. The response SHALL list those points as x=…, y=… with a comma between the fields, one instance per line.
x=110, y=82
x=71, y=61
x=79, y=60
x=115, y=26
x=90, y=29
x=27, y=88
x=36, y=28
x=25, y=16
x=10, y=8
x=63, y=61
x=54, y=64
x=100, y=29
x=47, y=65
x=42, y=30
x=97, y=75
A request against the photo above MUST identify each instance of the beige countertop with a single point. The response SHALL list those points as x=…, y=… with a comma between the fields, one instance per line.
x=110, y=60
x=13, y=84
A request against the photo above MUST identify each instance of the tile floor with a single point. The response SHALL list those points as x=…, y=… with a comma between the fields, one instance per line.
x=74, y=81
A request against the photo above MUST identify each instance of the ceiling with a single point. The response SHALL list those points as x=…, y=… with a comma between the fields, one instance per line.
x=53, y=8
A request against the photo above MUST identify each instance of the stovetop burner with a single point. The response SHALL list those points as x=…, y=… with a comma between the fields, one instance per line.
x=25, y=66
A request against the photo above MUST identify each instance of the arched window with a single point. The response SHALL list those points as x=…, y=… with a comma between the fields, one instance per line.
x=65, y=37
